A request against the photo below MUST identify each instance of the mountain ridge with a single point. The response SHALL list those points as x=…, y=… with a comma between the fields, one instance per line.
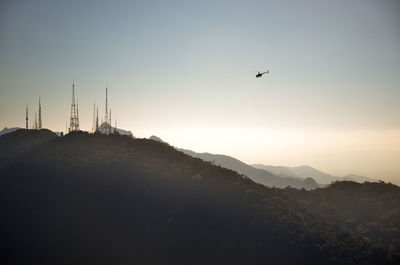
x=285, y=172
x=123, y=200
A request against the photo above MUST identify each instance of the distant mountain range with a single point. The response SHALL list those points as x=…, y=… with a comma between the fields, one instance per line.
x=278, y=176
x=257, y=175
x=307, y=171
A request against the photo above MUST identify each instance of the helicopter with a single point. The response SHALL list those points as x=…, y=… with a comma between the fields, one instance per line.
x=258, y=75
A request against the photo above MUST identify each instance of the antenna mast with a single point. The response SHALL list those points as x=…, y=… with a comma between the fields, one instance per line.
x=26, y=117
x=94, y=118
x=97, y=119
x=36, y=125
x=77, y=115
x=106, y=114
x=74, y=119
x=40, y=115
x=106, y=118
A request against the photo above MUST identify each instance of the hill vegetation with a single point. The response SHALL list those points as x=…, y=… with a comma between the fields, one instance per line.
x=98, y=199
x=371, y=209
x=20, y=142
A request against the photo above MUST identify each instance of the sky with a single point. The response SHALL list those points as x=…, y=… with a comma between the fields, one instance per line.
x=184, y=71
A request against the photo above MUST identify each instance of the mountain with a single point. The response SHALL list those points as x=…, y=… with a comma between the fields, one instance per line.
x=277, y=170
x=258, y=175
x=307, y=171
x=111, y=199
x=8, y=130
x=104, y=127
x=299, y=172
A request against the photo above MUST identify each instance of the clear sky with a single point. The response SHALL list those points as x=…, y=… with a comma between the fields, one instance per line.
x=183, y=70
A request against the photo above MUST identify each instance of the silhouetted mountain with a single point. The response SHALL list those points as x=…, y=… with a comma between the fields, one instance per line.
x=310, y=182
x=307, y=171
x=369, y=209
x=258, y=175
x=112, y=199
x=8, y=130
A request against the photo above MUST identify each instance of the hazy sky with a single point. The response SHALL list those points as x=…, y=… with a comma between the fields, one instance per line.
x=182, y=70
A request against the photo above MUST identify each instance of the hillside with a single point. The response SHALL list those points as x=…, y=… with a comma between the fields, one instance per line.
x=371, y=209
x=97, y=199
x=21, y=141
